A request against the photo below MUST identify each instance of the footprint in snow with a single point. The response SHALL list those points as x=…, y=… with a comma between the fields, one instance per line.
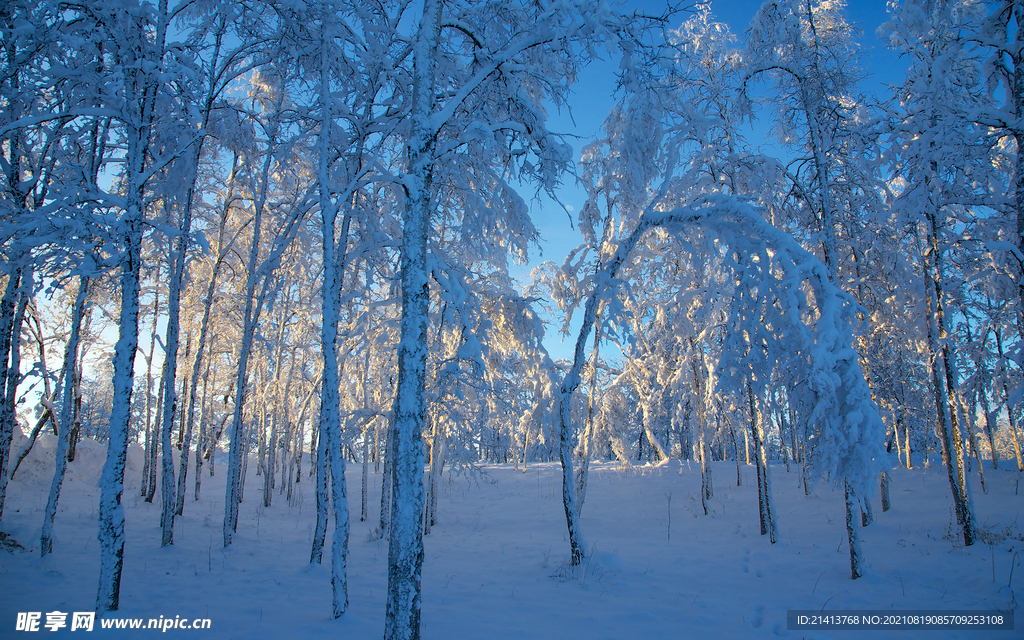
x=757, y=619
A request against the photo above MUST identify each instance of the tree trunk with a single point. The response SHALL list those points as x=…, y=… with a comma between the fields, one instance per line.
x=155, y=449
x=111, y=533
x=766, y=508
x=853, y=535
x=250, y=318
x=405, y=547
x=736, y=452
x=384, y=527
x=76, y=414
x=12, y=307
x=364, y=484
x=973, y=439
x=322, y=496
x=697, y=365
x=66, y=411
x=1016, y=55
x=886, y=504
x=147, y=458
x=204, y=327
x=169, y=403
x=940, y=360
x=585, y=441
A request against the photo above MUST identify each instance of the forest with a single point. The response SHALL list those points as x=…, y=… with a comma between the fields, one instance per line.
x=290, y=247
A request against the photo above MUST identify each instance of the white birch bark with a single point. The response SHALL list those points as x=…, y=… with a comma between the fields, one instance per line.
x=330, y=416
x=223, y=248
x=853, y=534
x=145, y=486
x=941, y=362
x=250, y=318
x=405, y=546
x=12, y=310
x=111, y=533
x=141, y=87
x=172, y=497
x=66, y=411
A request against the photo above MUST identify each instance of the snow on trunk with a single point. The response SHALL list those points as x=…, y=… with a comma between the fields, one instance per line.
x=329, y=448
x=250, y=318
x=169, y=403
x=848, y=429
x=316, y=552
x=941, y=362
x=405, y=546
x=853, y=534
x=111, y=531
x=12, y=315
x=66, y=410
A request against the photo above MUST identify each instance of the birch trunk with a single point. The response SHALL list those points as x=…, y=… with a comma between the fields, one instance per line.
x=66, y=415
x=405, y=546
x=12, y=307
x=144, y=486
x=736, y=453
x=250, y=318
x=169, y=403
x=322, y=496
x=697, y=366
x=111, y=532
x=762, y=508
x=853, y=534
x=155, y=449
x=588, y=430
x=364, y=488
x=941, y=363
x=1006, y=401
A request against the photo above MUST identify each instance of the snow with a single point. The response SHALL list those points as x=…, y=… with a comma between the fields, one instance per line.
x=497, y=560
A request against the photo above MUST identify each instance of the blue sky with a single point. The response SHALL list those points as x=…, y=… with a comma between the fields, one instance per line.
x=593, y=98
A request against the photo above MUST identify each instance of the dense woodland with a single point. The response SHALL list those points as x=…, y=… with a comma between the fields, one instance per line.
x=280, y=234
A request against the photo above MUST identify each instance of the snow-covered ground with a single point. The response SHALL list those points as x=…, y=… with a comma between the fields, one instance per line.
x=496, y=561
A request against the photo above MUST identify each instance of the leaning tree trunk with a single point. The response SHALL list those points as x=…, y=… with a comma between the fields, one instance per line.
x=250, y=318
x=941, y=362
x=197, y=363
x=588, y=431
x=66, y=414
x=168, y=499
x=169, y=402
